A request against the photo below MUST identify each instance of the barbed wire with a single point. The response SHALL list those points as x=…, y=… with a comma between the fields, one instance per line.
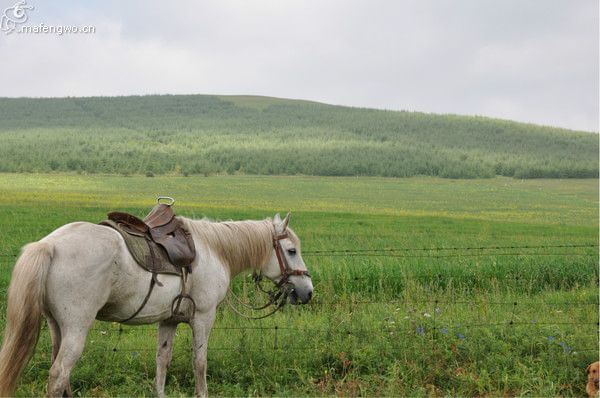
x=385, y=251
x=459, y=332
x=133, y=352
x=351, y=302
x=467, y=248
x=434, y=278
x=362, y=331
x=391, y=255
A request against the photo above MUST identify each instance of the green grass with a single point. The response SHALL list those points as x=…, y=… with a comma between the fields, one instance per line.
x=426, y=322
x=199, y=134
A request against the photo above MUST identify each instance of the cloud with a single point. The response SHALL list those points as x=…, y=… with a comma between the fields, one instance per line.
x=534, y=61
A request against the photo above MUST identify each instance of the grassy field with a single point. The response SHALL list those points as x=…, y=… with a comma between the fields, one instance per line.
x=516, y=320
x=207, y=135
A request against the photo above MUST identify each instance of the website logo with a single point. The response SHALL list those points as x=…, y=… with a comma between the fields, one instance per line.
x=15, y=15
x=14, y=20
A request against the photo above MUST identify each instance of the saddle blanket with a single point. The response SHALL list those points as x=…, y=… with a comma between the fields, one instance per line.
x=140, y=248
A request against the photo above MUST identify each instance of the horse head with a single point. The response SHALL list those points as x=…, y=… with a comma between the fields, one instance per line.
x=286, y=267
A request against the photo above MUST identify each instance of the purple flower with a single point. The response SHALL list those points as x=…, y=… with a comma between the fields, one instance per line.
x=420, y=330
x=444, y=330
x=551, y=339
x=460, y=336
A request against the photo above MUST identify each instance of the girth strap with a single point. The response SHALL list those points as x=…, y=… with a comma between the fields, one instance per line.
x=175, y=304
x=153, y=282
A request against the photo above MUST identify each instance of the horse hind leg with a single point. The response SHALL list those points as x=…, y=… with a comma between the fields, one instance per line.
x=71, y=348
x=73, y=326
x=54, y=335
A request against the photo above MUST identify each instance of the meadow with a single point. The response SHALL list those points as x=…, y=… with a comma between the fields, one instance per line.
x=489, y=287
x=207, y=135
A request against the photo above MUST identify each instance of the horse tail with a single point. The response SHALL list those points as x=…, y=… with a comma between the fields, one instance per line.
x=24, y=312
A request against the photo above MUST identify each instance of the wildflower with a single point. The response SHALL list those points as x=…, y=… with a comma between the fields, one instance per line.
x=426, y=315
x=551, y=339
x=420, y=330
x=444, y=330
x=460, y=336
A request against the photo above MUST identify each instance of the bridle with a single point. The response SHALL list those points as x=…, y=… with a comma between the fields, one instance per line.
x=284, y=267
x=278, y=295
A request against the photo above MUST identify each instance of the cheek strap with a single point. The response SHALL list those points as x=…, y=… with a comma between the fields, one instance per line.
x=284, y=267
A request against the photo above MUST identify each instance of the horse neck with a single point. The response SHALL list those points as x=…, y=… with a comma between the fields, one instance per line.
x=240, y=245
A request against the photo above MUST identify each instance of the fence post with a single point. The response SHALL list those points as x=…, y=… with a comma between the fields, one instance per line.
x=434, y=329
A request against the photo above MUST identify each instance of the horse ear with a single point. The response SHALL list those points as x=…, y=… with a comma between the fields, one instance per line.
x=286, y=221
x=277, y=219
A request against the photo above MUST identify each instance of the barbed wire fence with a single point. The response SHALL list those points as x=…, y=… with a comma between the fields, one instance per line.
x=431, y=326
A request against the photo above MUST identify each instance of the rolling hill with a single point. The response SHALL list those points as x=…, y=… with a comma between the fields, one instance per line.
x=201, y=134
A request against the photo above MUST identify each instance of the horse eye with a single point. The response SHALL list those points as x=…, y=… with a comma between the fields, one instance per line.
x=291, y=251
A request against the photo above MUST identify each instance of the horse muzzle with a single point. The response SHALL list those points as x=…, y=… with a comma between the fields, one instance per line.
x=300, y=296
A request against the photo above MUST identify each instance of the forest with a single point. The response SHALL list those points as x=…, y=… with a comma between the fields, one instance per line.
x=207, y=135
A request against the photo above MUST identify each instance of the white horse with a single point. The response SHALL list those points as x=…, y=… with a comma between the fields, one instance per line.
x=83, y=271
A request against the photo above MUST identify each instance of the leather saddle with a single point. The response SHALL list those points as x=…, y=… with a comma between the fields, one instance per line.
x=167, y=246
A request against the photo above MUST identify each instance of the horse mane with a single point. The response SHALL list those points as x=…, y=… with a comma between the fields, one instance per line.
x=240, y=245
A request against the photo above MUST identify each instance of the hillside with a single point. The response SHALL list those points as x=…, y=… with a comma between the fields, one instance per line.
x=200, y=134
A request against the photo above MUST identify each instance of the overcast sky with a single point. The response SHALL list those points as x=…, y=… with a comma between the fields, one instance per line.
x=527, y=60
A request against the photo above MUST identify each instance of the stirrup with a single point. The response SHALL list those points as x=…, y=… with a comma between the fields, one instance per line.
x=180, y=316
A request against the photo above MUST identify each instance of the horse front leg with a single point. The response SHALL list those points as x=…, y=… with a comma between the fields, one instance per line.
x=164, y=353
x=201, y=325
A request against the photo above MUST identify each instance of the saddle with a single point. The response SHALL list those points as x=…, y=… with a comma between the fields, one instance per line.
x=159, y=243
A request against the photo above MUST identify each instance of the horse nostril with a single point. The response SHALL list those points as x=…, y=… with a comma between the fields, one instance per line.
x=309, y=295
